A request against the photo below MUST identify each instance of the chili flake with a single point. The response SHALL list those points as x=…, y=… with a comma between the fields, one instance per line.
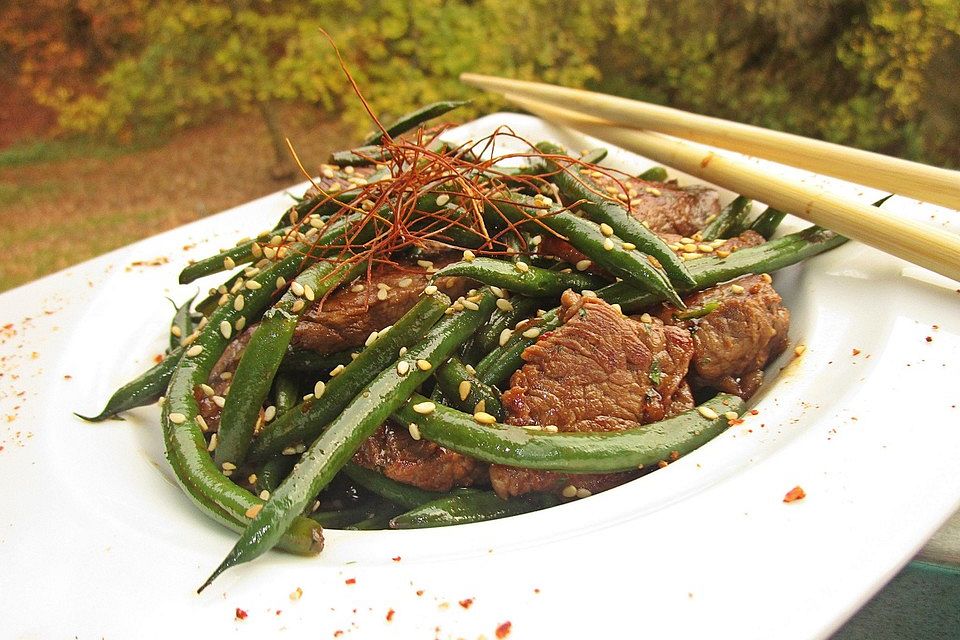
x=350, y=581
x=240, y=614
x=794, y=494
x=390, y=613
x=466, y=603
x=504, y=630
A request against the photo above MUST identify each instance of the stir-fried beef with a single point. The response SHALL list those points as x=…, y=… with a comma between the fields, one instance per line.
x=732, y=343
x=349, y=315
x=395, y=454
x=599, y=371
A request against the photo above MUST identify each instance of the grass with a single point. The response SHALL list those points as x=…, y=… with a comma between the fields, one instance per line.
x=33, y=152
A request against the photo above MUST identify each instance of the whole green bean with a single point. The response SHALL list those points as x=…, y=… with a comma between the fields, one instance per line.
x=228, y=259
x=573, y=185
x=261, y=358
x=182, y=324
x=286, y=392
x=413, y=119
x=143, y=390
x=399, y=493
x=654, y=174
x=304, y=422
x=730, y=221
x=767, y=222
x=496, y=366
x=488, y=337
x=532, y=281
x=575, y=452
x=305, y=360
x=365, y=413
x=272, y=472
x=465, y=508
x=360, y=156
x=465, y=390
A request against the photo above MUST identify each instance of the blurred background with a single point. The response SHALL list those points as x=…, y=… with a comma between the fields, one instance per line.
x=120, y=119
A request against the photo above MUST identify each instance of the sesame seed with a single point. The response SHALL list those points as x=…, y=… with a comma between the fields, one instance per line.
x=202, y=423
x=249, y=272
x=430, y=290
x=689, y=256
x=269, y=413
x=505, y=336
x=628, y=246
x=225, y=329
x=297, y=306
x=731, y=415
x=237, y=286
x=504, y=304
x=308, y=293
x=382, y=294
x=536, y=240
x=177, y=418
x=617, y=307
x=253, y=285
x=405, y=282
x=532, y=332
x=219, y=401
x=357, y=288
x=214, y=440
x=414, y=430
x=606, y=229
x=288, y=451
x=337, y=370
x=281, y=282
x=736, y=288
x=240, y=323
x=652, y=191
x=275, y=241
x=424, y=408
x=319, y=388
x=256, y=250
x=426, y=264
x=224, y=299
x=483, y=417
x=403, y=351
x=195, y=350
x=308, y=397
x=464, y=389
x=766, y=278
x=587, y=293
x=371, y=338
x=704, y=248
x=226, y=375
x=708, y=413
x=161, y=401
x=175, y=330
x=720, y=253
x=583, y=265
x=473, y=306
x=264, y=495
x=646, y=318
x=550, y=428
x=583, y=493
x=424, y=365
x=569, y=491
x=497, y=291
x=480, y=406
x=403, y=367
x=253, y=511
x=228, y=466
x=522, y=267
x=608, y=244
x=442, y=199
x=469, y=256
x=799, y=349
x=238, y=303
x=296, y=594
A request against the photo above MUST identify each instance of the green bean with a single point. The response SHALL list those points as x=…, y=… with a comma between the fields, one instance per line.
x=496, y=366
x=286, y=392
x=360, y=156
x=413, y=119
x=228, y=259
x=461, y=508
x=182, y=324
x=261, y=357
x=533, y=281
x=305, y=422
x=654, y=174
x=575, y=452
x=521, y=308
x=185, y=444
x=209, y=304
x=606, y=251
x=272, y=472
x=305, y=360
x=405, y=495
x=340, y=518
x=143, y=390
x=594, y=156
x=730, y=221
x=365, y=413
x=377, y=521
x=464, y=390
x=575, y=187
x=767, y=222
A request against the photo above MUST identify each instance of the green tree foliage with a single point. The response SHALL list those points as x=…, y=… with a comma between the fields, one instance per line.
x=879, y=74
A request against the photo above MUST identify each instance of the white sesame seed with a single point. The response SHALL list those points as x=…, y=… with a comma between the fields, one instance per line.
x=253, y=285
x=424, y=408
x=281, y=282
x=505, y=336
x=442, y=199
x=240, y=323
x=608, y=244
x=371, y=338
x=483, y=417
x=708, y=413
x=175, y=330
x=264, y=495
x=308, y=397
x=405, y=282
x=473, y=306
x=731, y=415
x=464, y=389
x=426, y=264
x=226, y=375
x=403, y=367
x=224, y=299
x=583, y=265
x=430, y=290
x=628, y=246
x=504, y=304
x=382, y=294
x=646, y=319
x=652, y=191
x=225, y=329
x=297, y=306
x=522, y=267
x=414, y=430
x=532, y=427
x=228, y=466
x=583, y=493
x=195, y=350
x=606, y=229
x=424, y=365
x=532, y=332
x=550, y=428
x=161, y=401
x=308, y=293
x=202, y=323
x=289, y=451
x=319, y=388
x=296, y=288
x=736, y=288
x=219, y=401
x=214, y=440
x=238, y=303
x=469, y=256
x=348, y=170
x=228, y=263
x=202, y=423
x=536, y=240
x=177, y=418
x=569, y=491
x=249, y=272
x=704, y=248
x=617, y=308
x=337, y=370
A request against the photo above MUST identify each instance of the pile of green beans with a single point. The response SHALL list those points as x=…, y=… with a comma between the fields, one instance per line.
x=280, y=465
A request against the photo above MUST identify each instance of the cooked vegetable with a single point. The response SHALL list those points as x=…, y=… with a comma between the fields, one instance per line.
x=730, y=222
x=466, y=507
x=532, y=281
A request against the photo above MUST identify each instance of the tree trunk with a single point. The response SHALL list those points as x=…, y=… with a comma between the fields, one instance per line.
x=283, y=165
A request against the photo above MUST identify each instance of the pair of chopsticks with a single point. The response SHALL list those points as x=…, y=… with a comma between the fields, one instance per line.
x=662, y=134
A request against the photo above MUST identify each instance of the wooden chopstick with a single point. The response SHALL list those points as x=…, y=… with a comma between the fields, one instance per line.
x=920, y=181
x=918, y=243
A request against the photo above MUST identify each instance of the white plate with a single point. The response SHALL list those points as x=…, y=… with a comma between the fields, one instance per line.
x=96, y=540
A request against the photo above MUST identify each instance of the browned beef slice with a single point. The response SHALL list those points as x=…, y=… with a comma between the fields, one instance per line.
x=663, y=205
x=599, y=371
x=733, y=343
x=393, y=452
x=347, y=317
